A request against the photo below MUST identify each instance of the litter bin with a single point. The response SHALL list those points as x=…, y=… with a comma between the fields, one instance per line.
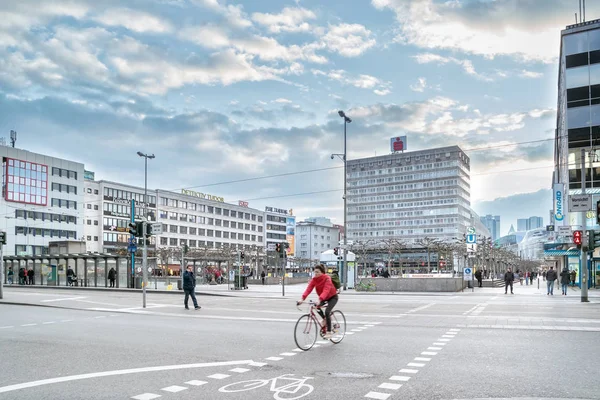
x=138, y=282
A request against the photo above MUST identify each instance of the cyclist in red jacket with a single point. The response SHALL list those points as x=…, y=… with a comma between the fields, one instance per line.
x=327, y=294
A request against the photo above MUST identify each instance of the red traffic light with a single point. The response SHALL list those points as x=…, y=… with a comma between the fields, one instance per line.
x=577, y=237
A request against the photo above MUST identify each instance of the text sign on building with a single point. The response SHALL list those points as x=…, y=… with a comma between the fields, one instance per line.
x=580, y=202
x=156, y=229
x=202, y=195
x=279, y=211
x=471, y=239
x=397, y=143
x=243, y=203
x=559, y=203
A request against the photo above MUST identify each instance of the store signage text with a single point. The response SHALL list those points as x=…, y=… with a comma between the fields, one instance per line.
x=243, y=203
x=202, y=195
x=279, y=210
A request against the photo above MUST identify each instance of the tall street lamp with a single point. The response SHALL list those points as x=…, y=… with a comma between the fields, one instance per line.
x=347, y=120
x=145, y=248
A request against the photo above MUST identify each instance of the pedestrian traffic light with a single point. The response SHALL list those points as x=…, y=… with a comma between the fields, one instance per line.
x=242, y=255
x=335, y=251
x=2, y=237
x=577, y=238
x=278, y=248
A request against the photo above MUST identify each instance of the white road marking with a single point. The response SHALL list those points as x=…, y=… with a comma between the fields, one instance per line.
x=377, y=395
x=422, y=359
x=448, y=336
x=218, y=376
x=317, y=345
x=29, y=325
x=100, y=316
x=400, y=378
x=48, y=323
x=257, y=364
x=415, y=364
x=455, y=330
x=287, y=354
x=146, y=396
x=349, y=333
x=70, y=378
x=434, y=348
x=391, y=386
x=239, y=370
x=196, y=383
x=174, y=389
x=408, y=371
x=444, y=340
x=323, y=341
x=440, y=344
x=274, y=358
x=429, y=353
x=63, y=299
x=420, y=308
x=67, y=320
x=356, y=330
x=370, y=326
x=298, y=350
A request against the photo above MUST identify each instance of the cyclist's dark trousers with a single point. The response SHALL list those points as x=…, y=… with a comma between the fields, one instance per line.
x=330, y=304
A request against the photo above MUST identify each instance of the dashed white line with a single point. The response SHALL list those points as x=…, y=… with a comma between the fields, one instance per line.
x=298, y=350
x=400, y=378
x=377, y=395
x=257, y=364
x=408, y=371
x=100, y=316
x=455, y=330
x=174, y=389
x=48, y=323
x=196, y=383
x=146, y=396
x=448, y=336
x=390, y=386
x=444, y=340
x=415, y=364
x=6, y=327
x=218, y=376
x=440, y=344
x=29, y=325
x=349, y=333
x=422, y=359
x=239, y=370
x=67, y=320
x=288, y=354
x=429, y=353
x=434, y=348
x=274, y=358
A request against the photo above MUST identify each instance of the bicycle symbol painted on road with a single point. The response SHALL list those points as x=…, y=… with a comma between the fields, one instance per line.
x=286, y=387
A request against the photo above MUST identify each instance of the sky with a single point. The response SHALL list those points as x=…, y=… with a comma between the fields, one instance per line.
x=226, y=92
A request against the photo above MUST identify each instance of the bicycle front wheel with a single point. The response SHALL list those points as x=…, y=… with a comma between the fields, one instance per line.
x=338, y=326
x=305, y=332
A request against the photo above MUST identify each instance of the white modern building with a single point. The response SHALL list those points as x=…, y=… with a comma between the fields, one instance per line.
x=108, y=214
x=314, y=238
x=42, y=200
x=410, y=195
x=200, y=220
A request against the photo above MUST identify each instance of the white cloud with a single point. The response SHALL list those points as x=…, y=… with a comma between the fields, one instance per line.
x=488, y=29
x=530, y=74
x=466, y=65
x=133, y=20
x=208, y=36
x=348, y=40
x=362, y=81
x=419, y=86
x=288, y=20
x=282, y=101
x=382, y=92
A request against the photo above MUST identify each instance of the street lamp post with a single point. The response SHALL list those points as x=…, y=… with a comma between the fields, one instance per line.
x=144, y=230
x=347, y=120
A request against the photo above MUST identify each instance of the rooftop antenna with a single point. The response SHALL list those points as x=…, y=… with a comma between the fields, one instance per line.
x=580, y=14
x=13, y=138
x=583, y=10
x=575, y=17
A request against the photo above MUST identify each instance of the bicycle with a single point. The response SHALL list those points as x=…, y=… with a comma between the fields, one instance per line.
x=297, y=388
x=368, y=286
x=308, y=325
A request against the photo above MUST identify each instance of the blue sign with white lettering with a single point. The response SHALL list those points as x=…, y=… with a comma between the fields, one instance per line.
x=471, y=239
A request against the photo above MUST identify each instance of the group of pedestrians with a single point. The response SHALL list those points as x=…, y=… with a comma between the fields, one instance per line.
x=26, y=276
x=550, y=276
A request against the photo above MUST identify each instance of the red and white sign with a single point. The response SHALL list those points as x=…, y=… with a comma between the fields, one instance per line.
x=398, y=143
x=243, y=203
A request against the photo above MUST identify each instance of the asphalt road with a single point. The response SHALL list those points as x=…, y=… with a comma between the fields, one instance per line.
x=102, y=345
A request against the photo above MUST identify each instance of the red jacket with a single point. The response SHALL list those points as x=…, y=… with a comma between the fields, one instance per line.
x=324, y=286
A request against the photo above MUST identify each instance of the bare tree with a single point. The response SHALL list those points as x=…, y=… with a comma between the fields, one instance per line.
x=428, y=243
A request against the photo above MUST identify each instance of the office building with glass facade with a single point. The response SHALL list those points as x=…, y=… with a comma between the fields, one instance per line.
x=409, y=196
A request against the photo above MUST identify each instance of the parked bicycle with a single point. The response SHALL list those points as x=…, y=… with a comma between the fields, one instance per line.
x=313, y=323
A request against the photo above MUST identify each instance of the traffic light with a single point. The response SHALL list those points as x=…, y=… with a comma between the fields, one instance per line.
x=278, y=248
x=2, y=237
x=335, y=251
x=133, y=229
x=578, y=238
x=186, y=249
x=593, y=239
x=242, y=255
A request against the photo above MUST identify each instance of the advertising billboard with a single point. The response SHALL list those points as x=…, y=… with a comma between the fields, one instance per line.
x=559, y=204
x=290, y=235
x=398, y=143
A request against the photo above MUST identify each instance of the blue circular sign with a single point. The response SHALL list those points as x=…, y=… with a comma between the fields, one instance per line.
x=468, y=271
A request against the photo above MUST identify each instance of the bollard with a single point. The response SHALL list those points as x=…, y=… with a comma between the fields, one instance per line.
x=538, y=283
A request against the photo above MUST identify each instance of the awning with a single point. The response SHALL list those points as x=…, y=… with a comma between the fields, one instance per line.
x=551, y=253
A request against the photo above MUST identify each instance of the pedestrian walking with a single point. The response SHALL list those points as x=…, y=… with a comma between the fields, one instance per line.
x=10, y=274
x=550, y=278
x=30, y=276
x=478, y=277
x=544, y=275
x=531, y=278
x=565, y=277
x=70, y=276
x=112, y=276
x=262, y=277
x=21, y=276
x=189, y=287
x=573, y=277
x=509, y=278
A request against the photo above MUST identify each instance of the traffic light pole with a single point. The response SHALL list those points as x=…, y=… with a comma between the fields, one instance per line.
x=584, y=267
x=1, y=272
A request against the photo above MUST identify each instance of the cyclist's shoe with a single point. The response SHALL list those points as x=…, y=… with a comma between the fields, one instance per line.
x=328, y=335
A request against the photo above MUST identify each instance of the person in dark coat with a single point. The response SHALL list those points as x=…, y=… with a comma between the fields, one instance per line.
x=550, y=278
x=565, y=277
x=22, y=276
x=479, y=277
x=509, y=278
x=262, y=277
x=70, y=276
x=112, y=276
x=189, y=287
x=30, y=276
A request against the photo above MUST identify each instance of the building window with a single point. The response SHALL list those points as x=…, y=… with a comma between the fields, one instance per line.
x=96, y=222
x=233, y=235
x=172, y=241
x=89, y=222
x=95, y=191
x=225, y=235
x=226, y=224
x=89, y=206
x=193, y=231
x=26, y=182
x=193, y=243
x=233, y=224
x=58, y=187
x=95, y=238
x=96, y=207
x=183, y=229
x=173, y=228
x=210, y=233
x=164, y=241
x=210, y=209
x=64, y=173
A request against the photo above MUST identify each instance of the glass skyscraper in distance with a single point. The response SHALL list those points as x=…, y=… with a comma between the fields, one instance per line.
x=492, y=222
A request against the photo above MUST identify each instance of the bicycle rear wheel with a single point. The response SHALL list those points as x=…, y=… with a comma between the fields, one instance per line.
x=338, y=326
x=305, y=332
